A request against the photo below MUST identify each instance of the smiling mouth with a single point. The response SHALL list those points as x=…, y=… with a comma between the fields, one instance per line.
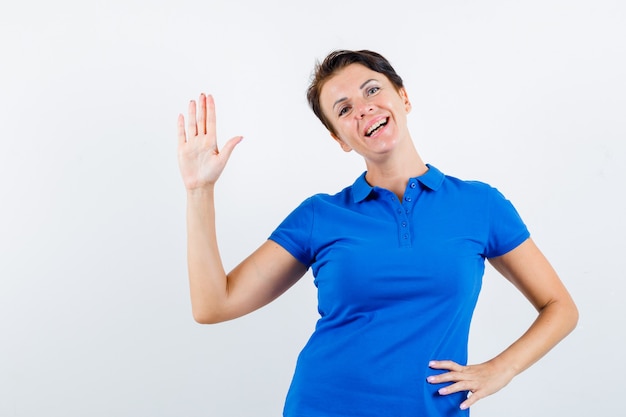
x=376, y=127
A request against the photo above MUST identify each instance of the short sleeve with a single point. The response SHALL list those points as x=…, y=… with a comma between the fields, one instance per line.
x=294, y=233
x=506, y=228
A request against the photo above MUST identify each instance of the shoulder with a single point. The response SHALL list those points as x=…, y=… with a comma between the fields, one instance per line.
x=435, y=180
x=470, y=191
x=342, y=198
x=468, y=185
x=474, y=189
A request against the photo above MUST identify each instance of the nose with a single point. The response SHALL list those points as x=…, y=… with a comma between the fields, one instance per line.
x=364, y=107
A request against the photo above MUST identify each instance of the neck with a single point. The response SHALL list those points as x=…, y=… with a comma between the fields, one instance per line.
x=394, y=173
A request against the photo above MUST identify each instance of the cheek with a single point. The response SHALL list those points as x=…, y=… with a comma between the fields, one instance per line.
x=342, y=139
x=342, y=128
x=328, y=124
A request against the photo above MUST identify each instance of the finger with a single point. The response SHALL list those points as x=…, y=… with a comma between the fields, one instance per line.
x=210, y=116
x=202, y=115
x=447, y=365
x=456, y=387
x=228, y=147
x=471, y=400
x=446, y=377
x=192, y=129
x=182, y=137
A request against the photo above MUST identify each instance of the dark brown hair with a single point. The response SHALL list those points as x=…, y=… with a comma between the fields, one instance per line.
x=336, y=61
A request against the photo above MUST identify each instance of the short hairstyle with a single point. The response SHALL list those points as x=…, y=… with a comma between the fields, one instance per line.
x=336, y=61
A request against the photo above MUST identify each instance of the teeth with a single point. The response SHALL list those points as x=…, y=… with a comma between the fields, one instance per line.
x=376, y=126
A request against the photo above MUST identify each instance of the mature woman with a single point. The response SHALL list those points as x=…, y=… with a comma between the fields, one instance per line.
x=398, y=259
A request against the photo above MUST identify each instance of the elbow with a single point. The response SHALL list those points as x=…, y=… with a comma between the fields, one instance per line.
x=202, y=319
x=562, y=315
x=206, y=317
x=573, y=315
x=568, y=315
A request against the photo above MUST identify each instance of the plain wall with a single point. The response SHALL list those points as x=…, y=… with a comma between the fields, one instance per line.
x=95, y=317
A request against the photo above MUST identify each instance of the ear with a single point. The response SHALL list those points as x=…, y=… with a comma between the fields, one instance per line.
x=405, y=98
x=344, y=146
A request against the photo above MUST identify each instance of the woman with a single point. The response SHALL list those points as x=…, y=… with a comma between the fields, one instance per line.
x=398, y=259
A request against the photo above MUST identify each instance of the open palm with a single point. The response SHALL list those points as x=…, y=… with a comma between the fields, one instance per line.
x=200, y=161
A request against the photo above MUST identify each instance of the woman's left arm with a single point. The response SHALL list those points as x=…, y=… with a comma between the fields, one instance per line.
x=528, y=269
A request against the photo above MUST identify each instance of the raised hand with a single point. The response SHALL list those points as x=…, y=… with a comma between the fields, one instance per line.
x=200, y=161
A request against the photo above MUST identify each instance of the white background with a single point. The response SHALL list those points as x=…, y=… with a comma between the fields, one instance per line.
x=94, y=310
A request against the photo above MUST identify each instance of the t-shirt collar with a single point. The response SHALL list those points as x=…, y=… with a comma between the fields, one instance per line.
x=432, y=179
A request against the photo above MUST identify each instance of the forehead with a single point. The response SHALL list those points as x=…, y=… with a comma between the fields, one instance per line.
x=351, y=76
x=347, y=81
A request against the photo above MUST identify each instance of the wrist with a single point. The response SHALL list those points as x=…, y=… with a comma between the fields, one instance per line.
x=505, y=367
x=201, y=191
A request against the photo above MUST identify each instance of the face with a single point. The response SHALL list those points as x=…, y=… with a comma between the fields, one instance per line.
x=366, y=111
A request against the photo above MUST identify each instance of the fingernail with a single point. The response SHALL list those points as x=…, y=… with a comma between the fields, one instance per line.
x=430, y=379
x=463, y=407
x=443, y=391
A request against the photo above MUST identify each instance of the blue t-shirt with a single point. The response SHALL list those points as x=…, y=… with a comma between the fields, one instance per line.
x=397, y=286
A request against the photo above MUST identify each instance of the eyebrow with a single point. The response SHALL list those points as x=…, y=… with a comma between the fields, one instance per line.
x=360, y=88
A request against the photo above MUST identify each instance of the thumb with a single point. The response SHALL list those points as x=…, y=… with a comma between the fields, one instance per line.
x=228, y=147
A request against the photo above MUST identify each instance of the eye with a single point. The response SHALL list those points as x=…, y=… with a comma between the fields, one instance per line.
x=343, y=111
x=372, y=90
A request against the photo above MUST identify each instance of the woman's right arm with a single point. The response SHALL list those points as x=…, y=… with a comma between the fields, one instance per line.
x=260, y=278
